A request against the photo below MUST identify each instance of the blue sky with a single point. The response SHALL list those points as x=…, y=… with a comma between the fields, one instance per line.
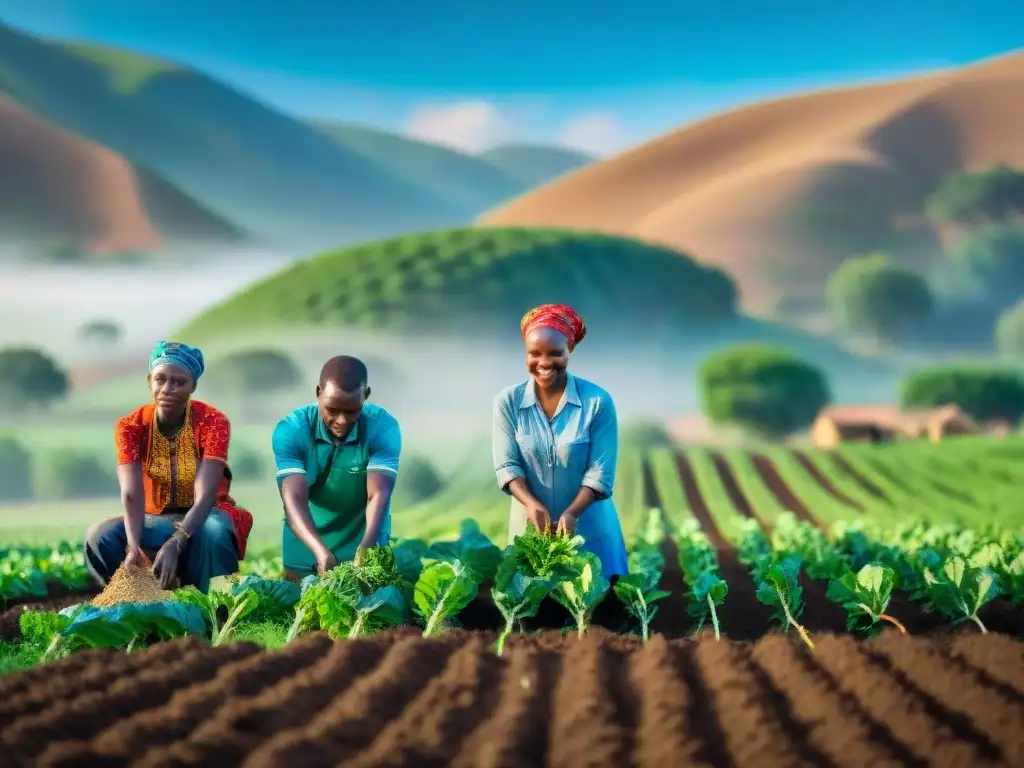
x=600, y=75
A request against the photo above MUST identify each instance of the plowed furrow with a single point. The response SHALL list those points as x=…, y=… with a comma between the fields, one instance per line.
x=983, y=711
x=48, y=674
x=189, y=708
x=88, y=714
x=1000, y=657
x=67, y=684
x=752, y=734
x=351, y=721
x=835, y=724
x=241, y=726
x=585, y=731
x=884, y=700
x=430, y=730
x=516, y=734
x=664, y=735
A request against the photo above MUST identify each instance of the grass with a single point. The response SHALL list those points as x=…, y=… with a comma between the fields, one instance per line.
x=437, y=281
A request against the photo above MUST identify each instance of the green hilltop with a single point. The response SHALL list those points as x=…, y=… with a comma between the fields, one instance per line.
x=477, y=283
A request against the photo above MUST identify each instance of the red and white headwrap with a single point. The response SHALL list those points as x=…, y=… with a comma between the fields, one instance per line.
x=559, y=317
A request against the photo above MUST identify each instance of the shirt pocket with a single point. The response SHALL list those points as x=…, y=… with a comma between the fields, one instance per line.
x=573, y=456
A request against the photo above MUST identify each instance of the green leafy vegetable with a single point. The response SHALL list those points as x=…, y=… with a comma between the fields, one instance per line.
x=473, y=549
x=865, y=595
x=581, y=594
x=442, y=590
x=780, y=589
x=959, y=590
x=121, y=625
x=708, y=591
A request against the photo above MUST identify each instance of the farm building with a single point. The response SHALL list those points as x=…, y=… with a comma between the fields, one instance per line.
x=879, y=423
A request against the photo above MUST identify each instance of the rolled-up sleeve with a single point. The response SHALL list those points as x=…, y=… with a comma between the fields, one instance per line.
x=386, y=447
x=504, y=450
x=289, y=450
x=604, y=450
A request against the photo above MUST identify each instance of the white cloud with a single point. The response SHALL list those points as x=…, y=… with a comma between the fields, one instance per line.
x=471, y=126
x=596, y=133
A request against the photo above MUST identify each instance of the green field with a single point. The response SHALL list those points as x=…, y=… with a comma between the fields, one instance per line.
x=972, y=481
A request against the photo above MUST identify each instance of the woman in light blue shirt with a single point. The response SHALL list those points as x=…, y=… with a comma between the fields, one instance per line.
x=556, y=443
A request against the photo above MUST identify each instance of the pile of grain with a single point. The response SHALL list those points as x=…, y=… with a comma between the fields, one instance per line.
x=132, y=585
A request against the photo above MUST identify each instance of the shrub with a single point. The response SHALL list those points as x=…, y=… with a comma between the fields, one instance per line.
x=253, y=372
x=978, y=197
x=418, y=480
x=873, y=295
x=764, y=389
x=15, y=471
x=77, y=474
x=645, y=434
x=106, y=331
x=1010, y=332
x=994, y=255
x=28, y=377
x=247, y=464
x=985, y=393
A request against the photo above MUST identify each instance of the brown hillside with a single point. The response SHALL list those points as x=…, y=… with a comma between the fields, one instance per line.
x=55, y=185
x=778, y=193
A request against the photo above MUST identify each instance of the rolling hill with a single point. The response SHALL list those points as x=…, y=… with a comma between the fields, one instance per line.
x=57, y=188
x=652, y=312
x=779, y=193
x=535, y=164
x=277, y=177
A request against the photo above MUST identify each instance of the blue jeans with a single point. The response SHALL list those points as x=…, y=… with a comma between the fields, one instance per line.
x=212, y=550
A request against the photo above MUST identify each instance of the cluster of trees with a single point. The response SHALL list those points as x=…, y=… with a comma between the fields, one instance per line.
x=873, y=295
x=772, y=392
x=67, y=473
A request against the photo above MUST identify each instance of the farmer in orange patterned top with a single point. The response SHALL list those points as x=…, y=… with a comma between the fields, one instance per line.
x=172, y=466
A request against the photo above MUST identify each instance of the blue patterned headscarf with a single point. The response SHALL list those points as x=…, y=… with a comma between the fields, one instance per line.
x=181, y=355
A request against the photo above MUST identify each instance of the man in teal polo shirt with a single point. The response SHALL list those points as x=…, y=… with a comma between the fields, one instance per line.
x=337, y=461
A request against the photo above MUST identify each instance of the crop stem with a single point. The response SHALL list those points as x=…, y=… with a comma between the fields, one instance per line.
x=714, y=617
x=981, y=626
x=894, y=622
x=799, y=628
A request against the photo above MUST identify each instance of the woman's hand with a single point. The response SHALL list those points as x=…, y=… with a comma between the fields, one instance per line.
x=567, y=524
x=325, y=560
x=538, y=515
x=165, y=565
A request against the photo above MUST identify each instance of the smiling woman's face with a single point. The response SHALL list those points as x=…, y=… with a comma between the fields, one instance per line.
x=547, y=357
x=171, y=386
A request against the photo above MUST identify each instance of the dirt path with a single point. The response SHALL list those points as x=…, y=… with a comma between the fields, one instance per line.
x=741, y=616
x=850, y=471
x=812, y=469
x=401, y=701
x=777, y=486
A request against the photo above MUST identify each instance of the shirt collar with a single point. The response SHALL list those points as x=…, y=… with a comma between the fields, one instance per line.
x=570, y=396
x=323, y=434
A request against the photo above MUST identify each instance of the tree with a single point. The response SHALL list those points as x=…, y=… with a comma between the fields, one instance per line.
x=1010, y=332
x=994, y=255
x=253, y=372
x=871, y=294
x=15, y=471
x=28, y=376
x=765, y=389
x=978, y=198
x=106, y=331
x=985, y=393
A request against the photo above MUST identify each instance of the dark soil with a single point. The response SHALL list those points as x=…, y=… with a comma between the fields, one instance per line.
x=771, y=477
x=812, y=469
x=398, y=700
